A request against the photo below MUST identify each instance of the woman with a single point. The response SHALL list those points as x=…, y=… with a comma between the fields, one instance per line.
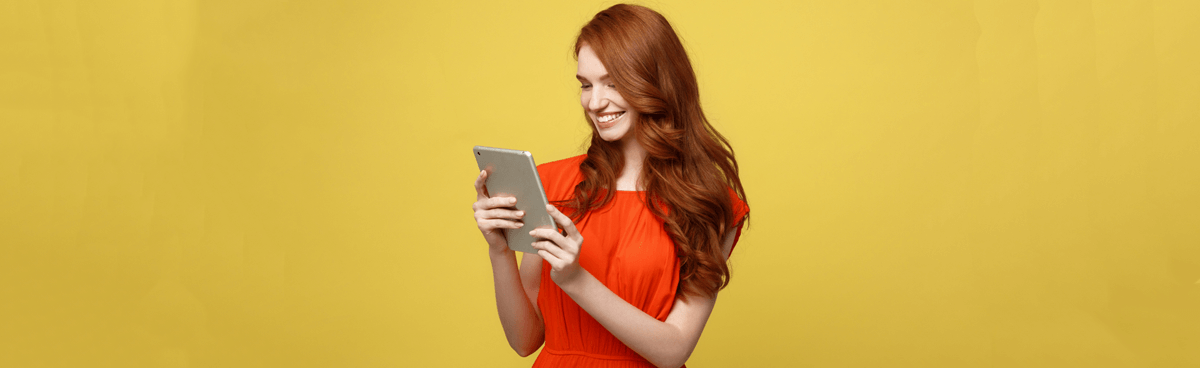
x=650, y=214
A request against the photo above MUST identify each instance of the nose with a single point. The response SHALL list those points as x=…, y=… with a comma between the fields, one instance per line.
x=597, y=99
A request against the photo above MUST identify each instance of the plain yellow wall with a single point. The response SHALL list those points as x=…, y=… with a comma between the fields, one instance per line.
x=286, y=183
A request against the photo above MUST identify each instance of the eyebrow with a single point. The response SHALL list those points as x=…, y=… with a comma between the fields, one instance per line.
x=582, y=79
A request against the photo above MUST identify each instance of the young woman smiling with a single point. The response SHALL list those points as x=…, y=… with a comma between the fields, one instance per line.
x=650, y=214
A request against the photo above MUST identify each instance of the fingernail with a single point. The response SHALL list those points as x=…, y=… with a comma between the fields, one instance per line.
x=520, y=213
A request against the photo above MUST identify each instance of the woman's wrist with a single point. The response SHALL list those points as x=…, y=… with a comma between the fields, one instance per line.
x=499, y=254
x=575, y=283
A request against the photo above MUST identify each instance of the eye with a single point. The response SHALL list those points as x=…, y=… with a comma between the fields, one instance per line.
x=586, y=86
x=610, y=85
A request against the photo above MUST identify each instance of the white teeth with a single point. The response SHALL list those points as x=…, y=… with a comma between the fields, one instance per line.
x=608, y=118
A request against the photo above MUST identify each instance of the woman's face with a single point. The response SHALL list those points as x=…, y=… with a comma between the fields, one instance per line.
x=604, y=106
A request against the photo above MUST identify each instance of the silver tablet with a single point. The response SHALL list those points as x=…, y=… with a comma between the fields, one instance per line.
x=513, y=173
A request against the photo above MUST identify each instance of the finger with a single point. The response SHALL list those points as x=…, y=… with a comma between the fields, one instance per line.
x=569, y=247
x=502, y=213
x=479, y=191
x=496, y=202
x=554, y=249
x=550, y=255
x=501, y=224
x=484, y=204
x=551, y=235
x=562, y=220
x=554, y=261
x=490, y=226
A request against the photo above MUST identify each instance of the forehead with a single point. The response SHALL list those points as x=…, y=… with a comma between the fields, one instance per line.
x=590, y=66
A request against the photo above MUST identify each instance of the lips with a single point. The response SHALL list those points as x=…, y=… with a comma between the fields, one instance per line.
x=608, y=120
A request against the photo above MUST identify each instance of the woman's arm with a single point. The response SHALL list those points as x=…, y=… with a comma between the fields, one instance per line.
x=516, y=289
x=516, y=300
x=665, y=344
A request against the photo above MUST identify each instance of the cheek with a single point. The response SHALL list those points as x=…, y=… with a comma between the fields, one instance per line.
x=620, y=102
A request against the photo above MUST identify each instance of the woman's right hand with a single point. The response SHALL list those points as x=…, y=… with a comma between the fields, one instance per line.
x=495, y=214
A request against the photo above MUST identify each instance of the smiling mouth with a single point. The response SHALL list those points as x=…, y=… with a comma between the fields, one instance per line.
x=607, y=121
x=608, y=118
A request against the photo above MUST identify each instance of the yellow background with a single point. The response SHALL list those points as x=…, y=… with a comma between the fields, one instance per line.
x=287, y=183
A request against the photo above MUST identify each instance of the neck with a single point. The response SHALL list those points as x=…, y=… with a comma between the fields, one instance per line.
x=635, y=155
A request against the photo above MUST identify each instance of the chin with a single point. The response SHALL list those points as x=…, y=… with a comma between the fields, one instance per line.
x=613, y=136
x=615, y=133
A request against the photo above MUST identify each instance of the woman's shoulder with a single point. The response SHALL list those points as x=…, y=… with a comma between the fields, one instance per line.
x=559, y=177
x=740, y=208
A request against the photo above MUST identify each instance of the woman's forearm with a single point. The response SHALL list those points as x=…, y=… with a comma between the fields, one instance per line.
x=662, y=343
x=522, y=327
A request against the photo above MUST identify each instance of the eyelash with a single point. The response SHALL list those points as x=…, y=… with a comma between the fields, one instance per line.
x=586, y=86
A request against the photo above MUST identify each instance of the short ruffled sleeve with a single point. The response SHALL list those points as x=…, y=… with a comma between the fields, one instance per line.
x=740, y=210
x=559, y=178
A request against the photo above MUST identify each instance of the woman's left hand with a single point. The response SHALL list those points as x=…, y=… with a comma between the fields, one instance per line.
x=562, y=252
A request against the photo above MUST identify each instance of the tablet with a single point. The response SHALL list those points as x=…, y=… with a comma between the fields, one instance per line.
x=513, y=173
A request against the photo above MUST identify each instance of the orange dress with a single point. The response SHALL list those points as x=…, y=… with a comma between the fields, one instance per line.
x=625, y=247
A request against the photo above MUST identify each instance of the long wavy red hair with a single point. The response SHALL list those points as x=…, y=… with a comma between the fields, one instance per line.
x=689, y=167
